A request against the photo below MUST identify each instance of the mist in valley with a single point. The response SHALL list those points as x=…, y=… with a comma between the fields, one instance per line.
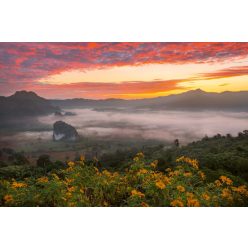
x=157, y=125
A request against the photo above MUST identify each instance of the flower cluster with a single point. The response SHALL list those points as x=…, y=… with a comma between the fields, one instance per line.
x=142, y=184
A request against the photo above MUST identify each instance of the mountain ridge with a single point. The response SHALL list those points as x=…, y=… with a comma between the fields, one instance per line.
x=190, y=100
x=30, y=104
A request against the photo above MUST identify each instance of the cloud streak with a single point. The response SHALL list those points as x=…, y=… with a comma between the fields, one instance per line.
x=101, y=90
x=226, y=73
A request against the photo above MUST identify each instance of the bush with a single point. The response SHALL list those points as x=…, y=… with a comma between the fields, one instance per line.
x=43, y=161
x=82, y=184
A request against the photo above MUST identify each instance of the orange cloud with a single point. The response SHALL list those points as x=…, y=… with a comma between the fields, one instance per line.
x=105, y=90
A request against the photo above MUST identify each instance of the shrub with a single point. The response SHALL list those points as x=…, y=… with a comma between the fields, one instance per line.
x=82, y=184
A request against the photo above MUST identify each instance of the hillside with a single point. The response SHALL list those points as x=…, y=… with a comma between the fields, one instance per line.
x=81, y=183
x=194, y=100
x=24, y=104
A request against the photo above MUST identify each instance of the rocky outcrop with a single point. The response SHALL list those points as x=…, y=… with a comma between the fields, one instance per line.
x=58, y=113
x=69, y=113
x=64, y=131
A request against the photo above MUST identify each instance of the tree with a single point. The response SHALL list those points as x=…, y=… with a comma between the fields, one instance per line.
x=176, y=142
x=43, y=161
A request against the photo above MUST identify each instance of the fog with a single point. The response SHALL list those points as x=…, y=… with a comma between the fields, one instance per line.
x=159, y=125
x=155, y=125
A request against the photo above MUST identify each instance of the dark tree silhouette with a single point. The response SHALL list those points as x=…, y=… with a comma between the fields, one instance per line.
x=176, y=142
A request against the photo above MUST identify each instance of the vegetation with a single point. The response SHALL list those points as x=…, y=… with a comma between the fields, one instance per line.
x=165, y=176
x=216, y=154
x=141, y=184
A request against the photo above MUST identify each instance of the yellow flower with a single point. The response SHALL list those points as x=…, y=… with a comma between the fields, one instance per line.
x=144, y=204
x=138, y=156
x=180, y=159
x=241, y=189
x=106, y=173
x=160, y=184
x=55, y=176
x=135, y=192
x=18, y=185
x=43, y=180
x=189, y=194
x=82, y=158
x=166, y=180
x=191, y=202
x=206, y=197
x=176, y=172
x=154, y=164
x=8, y=198
x=71, y=164
x=116, y=173
x=168, y=170
x=69, y=180
x=217, y=183
x=187, y=174
x=71, y=189
x=180, y=188
x=226, y=180
x=226, y=193
x=177, y=203
x=142, y=171
x=202, y=175
x=71, y=204
x=193, y=162
x=69, y=169
x=68, y=194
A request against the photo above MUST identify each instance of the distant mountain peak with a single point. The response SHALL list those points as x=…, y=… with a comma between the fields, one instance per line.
x=25, y=103
x=199, y=90
x=24, y=93
x=196, y=91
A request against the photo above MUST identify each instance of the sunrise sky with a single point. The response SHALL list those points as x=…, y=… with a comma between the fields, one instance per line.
x=122, y=70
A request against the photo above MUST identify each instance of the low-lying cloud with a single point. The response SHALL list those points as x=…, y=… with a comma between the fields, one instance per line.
x=158, y=125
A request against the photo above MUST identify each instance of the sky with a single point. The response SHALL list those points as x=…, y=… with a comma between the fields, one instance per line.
x=122, y=69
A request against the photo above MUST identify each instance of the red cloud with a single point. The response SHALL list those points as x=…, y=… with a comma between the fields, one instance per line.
x=225, y=73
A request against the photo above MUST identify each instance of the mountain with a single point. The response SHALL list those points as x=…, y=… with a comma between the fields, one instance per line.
x=25, y=104
x=195, y=100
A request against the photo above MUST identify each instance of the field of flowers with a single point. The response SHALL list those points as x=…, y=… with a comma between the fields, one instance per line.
x=141, y=185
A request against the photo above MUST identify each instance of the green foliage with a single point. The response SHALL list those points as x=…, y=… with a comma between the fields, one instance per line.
x=43, y=161
x=83, y=184
x=225, y=153
x=116, y=179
